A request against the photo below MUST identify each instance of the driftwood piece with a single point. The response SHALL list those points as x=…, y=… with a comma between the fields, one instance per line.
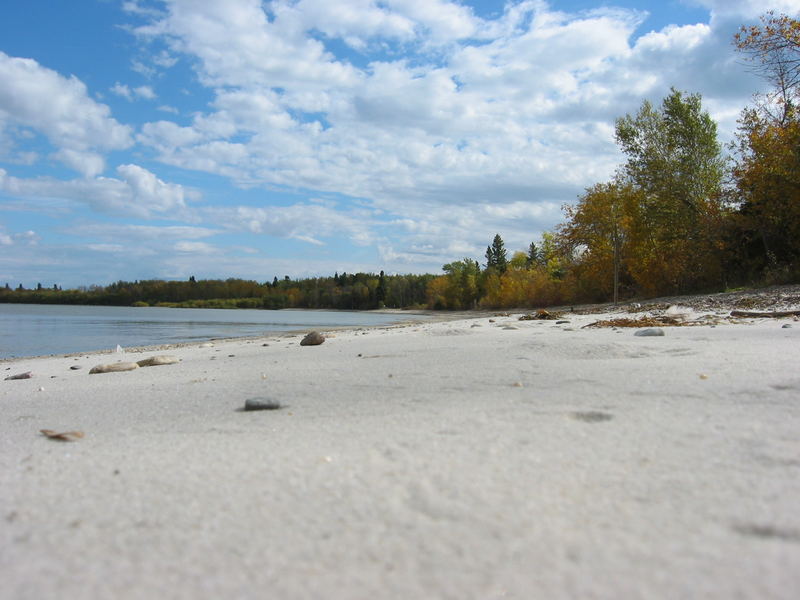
x=27, y=375
x=64, y=436
x=774, y=315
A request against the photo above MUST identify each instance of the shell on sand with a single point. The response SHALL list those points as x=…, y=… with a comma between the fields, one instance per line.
x=160, y=359
x=114, y=367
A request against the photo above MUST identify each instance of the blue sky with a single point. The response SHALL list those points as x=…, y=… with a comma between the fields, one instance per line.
x=161, y=139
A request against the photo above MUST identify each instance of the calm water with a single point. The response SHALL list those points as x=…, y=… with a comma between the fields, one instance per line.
x=38, y=329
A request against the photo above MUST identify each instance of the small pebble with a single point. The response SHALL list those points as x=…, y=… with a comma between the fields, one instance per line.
x=561, y=322
x=651, y=332
x=261, y=404
x=75, y=367
x=510, y=327
x=786, y=326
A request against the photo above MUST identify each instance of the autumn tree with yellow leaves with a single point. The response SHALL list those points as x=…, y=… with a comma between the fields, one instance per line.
x=767, y=170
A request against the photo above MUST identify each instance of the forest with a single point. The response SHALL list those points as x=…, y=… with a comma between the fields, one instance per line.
x=681, y=215
x=360, y=291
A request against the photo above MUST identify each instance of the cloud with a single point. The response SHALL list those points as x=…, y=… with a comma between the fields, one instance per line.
x=90, y=164
x=138, y=193
x=748, y=9
x=122, y=90
x=58, y=107
x=309, y=223
x=471, y=117
x=135, y=7
x=108, y=248
x=238, y=45
x=139, y=234
x=195, y=248
x=144, y=91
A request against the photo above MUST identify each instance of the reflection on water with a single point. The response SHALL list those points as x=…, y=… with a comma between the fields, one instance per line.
x=37, y=329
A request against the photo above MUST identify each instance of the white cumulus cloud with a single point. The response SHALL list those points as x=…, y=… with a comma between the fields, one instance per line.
x=60, y=108
x=137, y=193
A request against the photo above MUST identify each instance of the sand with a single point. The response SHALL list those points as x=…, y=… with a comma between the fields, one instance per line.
x=460, y=459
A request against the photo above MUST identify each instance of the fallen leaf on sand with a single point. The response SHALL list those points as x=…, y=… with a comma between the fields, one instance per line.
x=64, y=436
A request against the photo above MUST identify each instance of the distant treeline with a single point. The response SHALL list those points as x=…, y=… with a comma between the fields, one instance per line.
x=360, y=291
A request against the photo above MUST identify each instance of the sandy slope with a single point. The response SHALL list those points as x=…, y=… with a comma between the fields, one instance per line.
x=444, y=460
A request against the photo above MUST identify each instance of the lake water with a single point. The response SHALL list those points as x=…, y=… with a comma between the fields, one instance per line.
x=39, y=329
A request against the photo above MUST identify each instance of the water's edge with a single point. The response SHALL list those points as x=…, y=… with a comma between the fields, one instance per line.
x=29, y=330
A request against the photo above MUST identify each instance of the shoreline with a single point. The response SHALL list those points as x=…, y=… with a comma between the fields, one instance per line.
x=278, y=332
x=480, y=457
x=771, y=297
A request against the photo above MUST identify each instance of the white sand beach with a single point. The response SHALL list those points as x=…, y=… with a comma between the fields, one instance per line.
x=460, y=459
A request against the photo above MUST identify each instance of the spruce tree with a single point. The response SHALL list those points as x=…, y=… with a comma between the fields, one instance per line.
x=533, y=255
x=496, y=256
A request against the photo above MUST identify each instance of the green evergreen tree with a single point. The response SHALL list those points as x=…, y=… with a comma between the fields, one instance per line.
x=533, y=255
x=496, y=256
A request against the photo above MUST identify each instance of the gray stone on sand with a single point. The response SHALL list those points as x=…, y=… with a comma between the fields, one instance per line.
x=114, y=367
x=75, y=367
x=313, y=338
x=786, y=326
x=160, y=359
x=261, y=403
x=651, y=332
